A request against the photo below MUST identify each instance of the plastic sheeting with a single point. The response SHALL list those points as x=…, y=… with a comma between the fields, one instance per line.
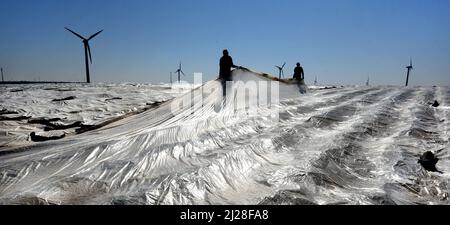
x=58, y=105
x=354, y=145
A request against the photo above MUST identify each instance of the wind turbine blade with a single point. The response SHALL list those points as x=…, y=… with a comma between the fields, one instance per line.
x=89, y=51
x=182, y=72
x=73, y=32
x=284, y=64
x=95, y=35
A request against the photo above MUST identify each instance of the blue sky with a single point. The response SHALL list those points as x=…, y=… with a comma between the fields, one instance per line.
x=339, y=41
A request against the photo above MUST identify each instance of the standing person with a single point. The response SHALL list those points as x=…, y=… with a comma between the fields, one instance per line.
x=299, y=74
x=226, y=63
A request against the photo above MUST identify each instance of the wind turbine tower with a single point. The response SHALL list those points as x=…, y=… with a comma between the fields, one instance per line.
x=409, y=68
x=3, y=79
x=280, y=70
x=368, y=81
x=87, y=51
x=179, y=72
x=315, y=81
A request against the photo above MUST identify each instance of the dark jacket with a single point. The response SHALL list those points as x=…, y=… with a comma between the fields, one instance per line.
x=299, y=74
x=226, y=63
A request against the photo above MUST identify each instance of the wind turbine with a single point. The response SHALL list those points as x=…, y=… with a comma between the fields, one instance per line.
x=315, y=81
x=409, y=68
x=87, y=51
x=367, y=82
x=280, y=70
x=179, y=71
x=3, y=80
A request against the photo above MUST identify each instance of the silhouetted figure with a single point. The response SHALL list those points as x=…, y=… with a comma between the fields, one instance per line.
x=435, y=104
x=428, y=161
x=299, y=74
x=226, y=63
